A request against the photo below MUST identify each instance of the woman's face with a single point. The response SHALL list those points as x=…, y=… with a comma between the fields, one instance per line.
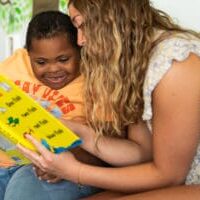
x=78, y=21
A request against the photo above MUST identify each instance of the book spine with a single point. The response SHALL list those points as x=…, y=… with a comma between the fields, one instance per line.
x=12, y=152
x=8, y=133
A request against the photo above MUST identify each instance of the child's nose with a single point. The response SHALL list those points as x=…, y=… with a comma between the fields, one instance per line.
x=54, y=66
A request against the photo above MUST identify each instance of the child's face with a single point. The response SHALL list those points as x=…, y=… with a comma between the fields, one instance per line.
x=55, y=62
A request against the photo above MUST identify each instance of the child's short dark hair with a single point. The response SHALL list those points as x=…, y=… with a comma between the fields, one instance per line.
x=49, y=24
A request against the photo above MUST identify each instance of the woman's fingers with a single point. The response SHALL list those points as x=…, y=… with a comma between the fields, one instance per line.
x=32, y=156
x=44, y=153
x=28, y=153
x=38, y=145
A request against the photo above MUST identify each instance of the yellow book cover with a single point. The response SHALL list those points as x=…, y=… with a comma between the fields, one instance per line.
x=20, y=114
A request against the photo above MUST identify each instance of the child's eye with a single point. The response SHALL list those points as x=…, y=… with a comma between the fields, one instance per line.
x=40, y=62
x=63, y=60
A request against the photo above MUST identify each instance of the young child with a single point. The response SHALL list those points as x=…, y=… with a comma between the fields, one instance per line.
x=48, y=70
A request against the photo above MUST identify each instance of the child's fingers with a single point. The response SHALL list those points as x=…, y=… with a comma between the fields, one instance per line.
x=47, y=176
x=39, y=172
x=54, y=180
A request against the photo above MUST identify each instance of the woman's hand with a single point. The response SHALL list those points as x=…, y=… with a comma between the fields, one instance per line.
x=62, y=165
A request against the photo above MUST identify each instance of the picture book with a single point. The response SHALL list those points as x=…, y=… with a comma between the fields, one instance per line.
x=20, y=115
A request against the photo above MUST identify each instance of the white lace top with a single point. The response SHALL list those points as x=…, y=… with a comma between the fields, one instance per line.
x=176, y=48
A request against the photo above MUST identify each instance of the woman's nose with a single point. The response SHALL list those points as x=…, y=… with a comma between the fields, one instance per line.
x=81, y=38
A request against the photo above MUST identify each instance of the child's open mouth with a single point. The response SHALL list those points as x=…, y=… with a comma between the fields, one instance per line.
x=56, y=79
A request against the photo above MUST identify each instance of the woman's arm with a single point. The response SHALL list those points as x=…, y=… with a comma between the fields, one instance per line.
x=183, y=192
x=176, y=128
x=116, y=151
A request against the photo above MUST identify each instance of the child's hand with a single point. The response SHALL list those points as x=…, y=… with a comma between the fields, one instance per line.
x=63, y=165
x=46, y=176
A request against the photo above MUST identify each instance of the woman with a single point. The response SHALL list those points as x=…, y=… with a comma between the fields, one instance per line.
x=141, y=70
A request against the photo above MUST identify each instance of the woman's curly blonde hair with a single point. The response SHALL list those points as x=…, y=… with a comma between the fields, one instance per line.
x=120, y=36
